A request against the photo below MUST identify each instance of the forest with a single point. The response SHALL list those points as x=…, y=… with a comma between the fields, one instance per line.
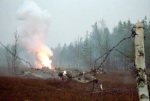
x=84, y=52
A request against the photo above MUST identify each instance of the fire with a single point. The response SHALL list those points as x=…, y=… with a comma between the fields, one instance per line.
x=43, y=56
x=34, y=29
x=44, y=59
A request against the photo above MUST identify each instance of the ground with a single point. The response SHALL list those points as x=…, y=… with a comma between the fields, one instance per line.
x=117, y=86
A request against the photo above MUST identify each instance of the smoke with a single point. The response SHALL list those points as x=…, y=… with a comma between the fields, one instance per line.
x=34, y=23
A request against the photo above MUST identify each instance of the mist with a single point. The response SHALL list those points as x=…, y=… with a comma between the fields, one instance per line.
x=74, y=50
x=72, y=33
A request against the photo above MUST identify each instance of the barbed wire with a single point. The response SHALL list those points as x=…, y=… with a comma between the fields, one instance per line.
x=131, y=60
x=26, y=61
x=114, y=48
x=16, y=56
x=106, y=54
x=109, y=51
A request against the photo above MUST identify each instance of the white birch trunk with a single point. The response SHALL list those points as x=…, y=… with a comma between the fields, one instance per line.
x=140, y=62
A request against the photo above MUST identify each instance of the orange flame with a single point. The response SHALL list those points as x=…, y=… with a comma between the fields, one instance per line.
x=44, y=54
x=44, y=59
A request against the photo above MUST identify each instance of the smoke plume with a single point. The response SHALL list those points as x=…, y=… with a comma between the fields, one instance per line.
x=33, y=27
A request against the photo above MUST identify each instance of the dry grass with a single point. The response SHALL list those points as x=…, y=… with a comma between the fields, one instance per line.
x=118, y=86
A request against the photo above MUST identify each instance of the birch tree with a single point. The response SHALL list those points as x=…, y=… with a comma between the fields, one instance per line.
x=141, y=77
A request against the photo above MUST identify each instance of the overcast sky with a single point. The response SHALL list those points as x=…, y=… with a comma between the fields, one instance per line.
x=72, y=18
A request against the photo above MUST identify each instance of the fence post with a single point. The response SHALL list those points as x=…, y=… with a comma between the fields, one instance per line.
x=140, y=62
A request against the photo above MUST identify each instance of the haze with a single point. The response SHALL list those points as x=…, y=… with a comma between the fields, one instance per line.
x=71, y=19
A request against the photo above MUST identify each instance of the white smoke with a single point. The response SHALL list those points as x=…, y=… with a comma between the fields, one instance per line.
x=34, y=23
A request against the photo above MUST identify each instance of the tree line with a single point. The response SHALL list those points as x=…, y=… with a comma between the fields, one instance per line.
x=83, y=52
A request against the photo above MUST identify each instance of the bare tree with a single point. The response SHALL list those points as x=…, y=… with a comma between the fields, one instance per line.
x=11, y=54
x=15, y=49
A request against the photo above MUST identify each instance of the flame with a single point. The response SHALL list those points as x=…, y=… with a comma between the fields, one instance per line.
x=43, y=56
x=34, y=28
x=44, y=59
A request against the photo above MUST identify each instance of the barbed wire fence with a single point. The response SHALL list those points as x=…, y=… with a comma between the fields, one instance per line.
x=17, y=56
x=139, y=64
x=103, y=57
x=106, y=54
x=27, y=62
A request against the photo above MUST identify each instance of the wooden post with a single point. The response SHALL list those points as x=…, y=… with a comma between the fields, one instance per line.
x=140, y=62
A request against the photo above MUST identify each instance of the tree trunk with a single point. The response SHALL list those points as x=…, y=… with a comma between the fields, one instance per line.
x=140, y=62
